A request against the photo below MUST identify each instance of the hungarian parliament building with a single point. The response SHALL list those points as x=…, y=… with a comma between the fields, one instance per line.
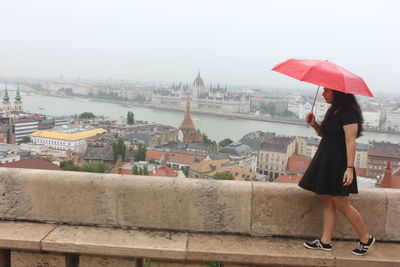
x=207, y=99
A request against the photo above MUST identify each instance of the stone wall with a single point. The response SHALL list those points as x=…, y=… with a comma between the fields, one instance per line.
x=188, y=205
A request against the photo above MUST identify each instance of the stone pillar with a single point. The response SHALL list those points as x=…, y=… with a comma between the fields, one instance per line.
x=4, y=258
x=29, y=259
x=92, y=261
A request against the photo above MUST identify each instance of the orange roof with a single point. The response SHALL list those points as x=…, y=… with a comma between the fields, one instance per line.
x=298, y=163
x=361, y=172
x=187, y=123
x=124, y=171
x=32, y=163
x=288, y=179
x=163, y=171
x=154, y=154
x=181, y=157
x=239, y=173
x=206, y=165
x=389, y=180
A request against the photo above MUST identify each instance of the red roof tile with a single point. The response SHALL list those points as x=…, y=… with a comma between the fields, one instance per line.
x=32, y=163
x=154, y=154
x=389, y=180
x=181, y=157
x=124, y=171
x=298, y=163
x=384, y=149
x=163, y=171
x=361, y=172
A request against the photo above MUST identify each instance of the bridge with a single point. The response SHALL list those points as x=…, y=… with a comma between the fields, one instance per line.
x=71, y=219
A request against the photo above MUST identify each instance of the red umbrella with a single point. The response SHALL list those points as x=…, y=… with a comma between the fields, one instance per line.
x=324, y=73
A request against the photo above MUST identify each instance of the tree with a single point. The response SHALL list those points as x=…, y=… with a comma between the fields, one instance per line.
x=119, y=149
x=145, y=170
x=97, y=167
x=135, y=170
x=225, y=142
x=130, y=118
x=25, y=139
x=223, y=176
x=206, y=140
x=68, y=165
x=140, y=154
x=86, y=115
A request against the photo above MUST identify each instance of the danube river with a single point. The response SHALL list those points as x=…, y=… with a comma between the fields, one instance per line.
x=217, y=128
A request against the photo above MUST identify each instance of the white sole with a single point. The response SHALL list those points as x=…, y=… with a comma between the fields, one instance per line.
x=326, y=249
x=359, y=254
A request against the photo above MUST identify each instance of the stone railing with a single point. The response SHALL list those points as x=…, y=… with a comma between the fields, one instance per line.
x=80, y=218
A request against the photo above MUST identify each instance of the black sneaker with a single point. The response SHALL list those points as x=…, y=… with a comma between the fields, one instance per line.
x=362, y=248
x=318, y=244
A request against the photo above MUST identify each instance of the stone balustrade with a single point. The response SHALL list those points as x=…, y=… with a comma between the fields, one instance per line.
x=90, y=219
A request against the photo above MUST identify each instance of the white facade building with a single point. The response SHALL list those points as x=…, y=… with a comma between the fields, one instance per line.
x=319, y=111
x=371, y=118
x=202, y=98
x=73, y=138
x=393, y=120
x=24, y=127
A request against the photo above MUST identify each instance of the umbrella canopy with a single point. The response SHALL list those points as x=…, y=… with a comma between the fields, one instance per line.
x=324, y=73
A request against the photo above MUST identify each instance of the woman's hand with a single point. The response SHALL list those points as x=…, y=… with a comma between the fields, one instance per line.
x=310, y=119
x=348, y=177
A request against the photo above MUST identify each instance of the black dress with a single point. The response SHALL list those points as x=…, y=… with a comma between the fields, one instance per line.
x=326, y=170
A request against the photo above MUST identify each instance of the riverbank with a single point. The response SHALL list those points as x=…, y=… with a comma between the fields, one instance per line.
x=229, y=116
x=258, y=118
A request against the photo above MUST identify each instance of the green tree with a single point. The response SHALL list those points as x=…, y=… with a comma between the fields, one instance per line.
x=130, y=120
x=86, y=115
x=25, y=139
x=223, y=176
x=225, y=142
x=97, y=167
x=206, y=140
x=135, y=170
x=119, y=149
x=140, y=154
x=68, y=165
x=145, y=170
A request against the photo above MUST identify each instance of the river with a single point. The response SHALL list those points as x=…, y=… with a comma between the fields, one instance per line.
x=216, y=128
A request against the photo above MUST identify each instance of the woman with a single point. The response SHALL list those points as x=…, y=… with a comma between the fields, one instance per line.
x=331, y=173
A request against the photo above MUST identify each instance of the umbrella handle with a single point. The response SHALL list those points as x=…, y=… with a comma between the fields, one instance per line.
x=315, y=98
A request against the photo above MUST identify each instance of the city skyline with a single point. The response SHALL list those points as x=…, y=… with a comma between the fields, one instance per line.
x=231, y=42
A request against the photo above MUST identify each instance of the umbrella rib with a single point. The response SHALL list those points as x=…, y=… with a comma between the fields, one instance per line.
x=308, y=71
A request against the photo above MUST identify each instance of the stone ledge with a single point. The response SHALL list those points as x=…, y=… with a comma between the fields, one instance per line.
x=23, y=235
x=183, y=247
x=185, y=205
x=116, y=242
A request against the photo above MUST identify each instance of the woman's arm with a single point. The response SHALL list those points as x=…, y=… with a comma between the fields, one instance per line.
x=350, y=132
x=310, y=119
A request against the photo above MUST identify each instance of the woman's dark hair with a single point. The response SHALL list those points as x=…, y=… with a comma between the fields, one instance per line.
x=343, y=101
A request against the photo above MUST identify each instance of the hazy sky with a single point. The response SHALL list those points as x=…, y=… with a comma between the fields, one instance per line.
x=231, y=42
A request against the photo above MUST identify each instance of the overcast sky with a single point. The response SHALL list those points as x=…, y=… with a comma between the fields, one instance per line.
x=232, y=42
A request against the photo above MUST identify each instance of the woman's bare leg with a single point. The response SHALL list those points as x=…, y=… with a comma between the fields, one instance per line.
x=342, y=203
x=329, y=218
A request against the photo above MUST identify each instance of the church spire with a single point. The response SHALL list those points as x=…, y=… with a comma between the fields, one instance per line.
x=18, y=96
x=6, y=98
